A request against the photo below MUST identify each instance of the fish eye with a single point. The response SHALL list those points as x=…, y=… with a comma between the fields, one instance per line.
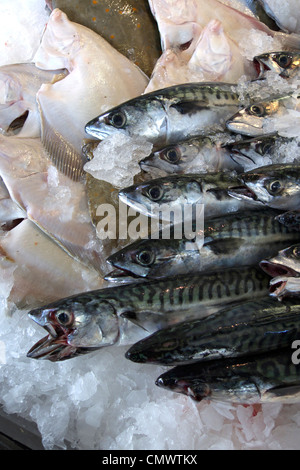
x=117, y=119
x=145, y=257
x=283, y=60
x=155, y=193
x=64, y=318
x=172, y=155
x=296, y=252
x=275, y=187
x=257, y=110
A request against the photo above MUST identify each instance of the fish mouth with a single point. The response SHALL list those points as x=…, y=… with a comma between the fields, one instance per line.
x=54, y=346
x=242, y=192
x=276, y=270
x=260, y=66
x=121, y=275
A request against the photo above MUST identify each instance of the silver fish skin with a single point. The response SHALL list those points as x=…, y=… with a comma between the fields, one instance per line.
x=170, y=114
x=290, y=219
x=250, y=327
x=161, y=195
x=82, y=323
x=284, y=63
x=276, y=186
x=190, y=155
x=263, y=378
x=233, y=240
x=262, y=117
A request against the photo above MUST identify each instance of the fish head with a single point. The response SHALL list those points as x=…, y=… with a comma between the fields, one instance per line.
x=140, y=117
x=284, y=63
x=167, y=160
x=252, y=119
x=250, y=150
x=184, y=385
x=163, y=195
x=144, y=258
x=286, y=262
x=277, y=186
x=75, y=326
x=290, y=219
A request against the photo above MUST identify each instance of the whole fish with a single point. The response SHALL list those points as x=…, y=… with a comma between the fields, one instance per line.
x=89, y=321
x=162, y=195
x=284, y=63
x=277, y=114
x=262, y=378
x=233, y=240
x=251, y=327
x=276, y=186
x=170, y=114
x=290, y=219
x=127, y=25
x=284, y=268
x=189, y=156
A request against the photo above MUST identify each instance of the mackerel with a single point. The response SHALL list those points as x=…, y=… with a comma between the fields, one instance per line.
x=88, y=321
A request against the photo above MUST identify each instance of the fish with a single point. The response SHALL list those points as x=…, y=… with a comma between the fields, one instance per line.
x=290, y=219
x=19, y=84
x=42, y=271
x=269, y=377
x=250, y=327
x=127, y=25
x=285, y=63
x=277, y=114
x=252, y=8
x=276, y=186
x=233, y=240
x=189, y=156
x=165, y=116
x=115, y=315
x=67, y=105
x=54, y=202
x=160, y=196
x=287, y=19
x=284, y=268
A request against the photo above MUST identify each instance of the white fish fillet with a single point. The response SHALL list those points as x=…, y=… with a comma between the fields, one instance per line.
x=99, y=78
x=53, y=201
x=42, y=271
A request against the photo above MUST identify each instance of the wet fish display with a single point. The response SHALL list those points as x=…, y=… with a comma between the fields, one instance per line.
x=89, y=321
x=264, y=378
x=276, y=186
x=126, y=25
x=250, y=327
x=233, y=240
x=167, y=115
x=158, y=196
x=285, y=63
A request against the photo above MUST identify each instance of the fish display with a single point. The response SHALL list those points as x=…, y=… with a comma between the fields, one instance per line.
x=277, y=114
x=252, y=327
x=284, y=63
x=158, y=197
x=173, y=113
x=276, y=186
x=88, y=321
x=229, y=241
x=126, y=25
x=269, y=377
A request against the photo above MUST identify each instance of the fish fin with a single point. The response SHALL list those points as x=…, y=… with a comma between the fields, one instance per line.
x=226, y=246
x=189, y=107
x=63, y=155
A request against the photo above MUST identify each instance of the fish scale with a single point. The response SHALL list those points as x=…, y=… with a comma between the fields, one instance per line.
x=248, y=328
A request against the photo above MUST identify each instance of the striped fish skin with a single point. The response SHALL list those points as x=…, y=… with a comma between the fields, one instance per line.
x=160, y=195
x=251, y=327
x=170, y=114
x=229, y=241
x=268, y=377
x=89, y=321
